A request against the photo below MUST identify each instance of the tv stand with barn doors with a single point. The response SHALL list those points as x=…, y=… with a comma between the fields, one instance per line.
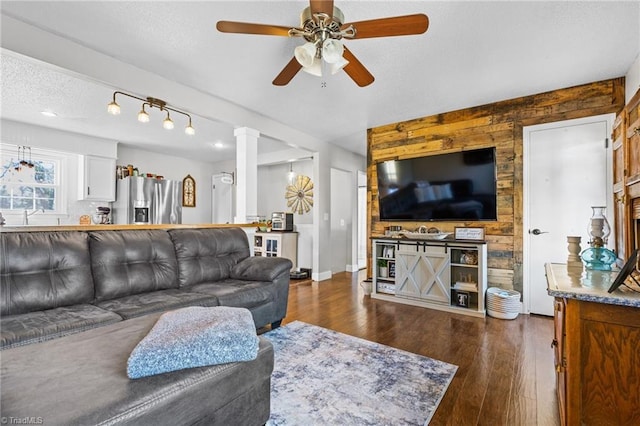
x=447, y=275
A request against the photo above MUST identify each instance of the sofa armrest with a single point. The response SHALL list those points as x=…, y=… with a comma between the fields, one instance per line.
x=261, y=268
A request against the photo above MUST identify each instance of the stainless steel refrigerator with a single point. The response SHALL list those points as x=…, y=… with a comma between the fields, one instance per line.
x=141, y=200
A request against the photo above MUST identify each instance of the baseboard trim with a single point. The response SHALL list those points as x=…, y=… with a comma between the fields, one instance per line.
x=321, y=276
x=352, y=268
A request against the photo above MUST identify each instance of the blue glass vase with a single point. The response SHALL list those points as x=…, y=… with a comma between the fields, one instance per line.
x=598, y=258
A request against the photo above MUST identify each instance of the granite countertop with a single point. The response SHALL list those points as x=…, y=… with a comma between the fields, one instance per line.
x=587, y=285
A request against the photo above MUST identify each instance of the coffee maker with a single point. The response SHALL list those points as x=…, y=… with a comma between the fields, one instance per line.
x=281, y=221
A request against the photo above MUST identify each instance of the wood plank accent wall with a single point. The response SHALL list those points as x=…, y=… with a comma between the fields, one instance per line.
x=496, y=125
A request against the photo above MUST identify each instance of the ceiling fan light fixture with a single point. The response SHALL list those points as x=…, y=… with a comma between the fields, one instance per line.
x=338, y=65
x=306, y=54
x=314, y=69
x=332, y=50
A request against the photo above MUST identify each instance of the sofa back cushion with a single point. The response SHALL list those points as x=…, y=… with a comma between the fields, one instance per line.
x=44, y=270
x=132, y=262
x=207, y=255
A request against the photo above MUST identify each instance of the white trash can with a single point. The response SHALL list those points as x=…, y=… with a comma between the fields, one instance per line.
x=366, y=287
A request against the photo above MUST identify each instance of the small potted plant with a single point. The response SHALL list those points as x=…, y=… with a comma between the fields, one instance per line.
x=383, y=268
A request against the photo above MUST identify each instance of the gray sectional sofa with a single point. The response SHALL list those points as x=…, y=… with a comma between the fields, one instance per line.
x=68, y=298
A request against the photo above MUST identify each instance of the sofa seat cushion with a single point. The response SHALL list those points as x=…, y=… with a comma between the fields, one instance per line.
x=82, y=380
x=238, y=293
x=155, y=301
x=34, y=327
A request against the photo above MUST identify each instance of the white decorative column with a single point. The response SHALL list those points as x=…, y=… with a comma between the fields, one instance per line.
x=246, y=173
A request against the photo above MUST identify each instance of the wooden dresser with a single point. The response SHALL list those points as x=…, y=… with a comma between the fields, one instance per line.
x=597, y=347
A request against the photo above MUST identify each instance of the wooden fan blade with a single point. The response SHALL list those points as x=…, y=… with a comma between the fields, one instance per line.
x=321, y=6
x=388, y=27
x=247, y=28
x=356, y=70
x=288, y=72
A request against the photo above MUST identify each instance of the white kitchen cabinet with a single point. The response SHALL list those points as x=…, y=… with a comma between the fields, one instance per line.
x=97, y=178
x=277, y=244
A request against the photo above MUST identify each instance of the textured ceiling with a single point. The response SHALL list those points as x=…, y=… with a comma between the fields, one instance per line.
x=473, y=53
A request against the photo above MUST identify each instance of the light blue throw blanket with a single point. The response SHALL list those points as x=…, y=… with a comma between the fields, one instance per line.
x=195, y=337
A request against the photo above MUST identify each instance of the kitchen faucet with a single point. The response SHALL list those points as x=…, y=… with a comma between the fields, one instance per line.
x=25, y=215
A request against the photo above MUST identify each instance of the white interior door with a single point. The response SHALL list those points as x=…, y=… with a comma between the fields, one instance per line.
x=221, y=200
x=341, y=220
x=567, y=169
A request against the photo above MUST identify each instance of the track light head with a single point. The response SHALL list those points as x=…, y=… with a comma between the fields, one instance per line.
x=189, y=130
x=143, y=117
x=168, y=122
x=113, y=108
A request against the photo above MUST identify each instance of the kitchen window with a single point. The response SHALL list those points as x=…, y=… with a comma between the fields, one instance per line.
x=31, y=179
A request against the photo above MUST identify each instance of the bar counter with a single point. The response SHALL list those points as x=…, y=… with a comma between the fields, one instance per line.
x=35, y=228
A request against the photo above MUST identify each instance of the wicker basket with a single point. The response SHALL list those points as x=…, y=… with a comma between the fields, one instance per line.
x=503, y=304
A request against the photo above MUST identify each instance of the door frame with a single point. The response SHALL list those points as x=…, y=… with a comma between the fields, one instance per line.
x=526, y=146
x=362, y=240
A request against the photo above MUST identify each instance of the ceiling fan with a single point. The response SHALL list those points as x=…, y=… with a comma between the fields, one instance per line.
x=322, y=26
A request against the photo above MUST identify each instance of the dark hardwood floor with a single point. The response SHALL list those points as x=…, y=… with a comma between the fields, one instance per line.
x=505, y=367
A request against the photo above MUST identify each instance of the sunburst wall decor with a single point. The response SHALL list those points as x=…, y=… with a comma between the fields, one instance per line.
x=299, y=195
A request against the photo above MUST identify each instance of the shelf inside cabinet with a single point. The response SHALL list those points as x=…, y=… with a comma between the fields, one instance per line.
x=464, y=299
x=464, y=265
x=464, y=287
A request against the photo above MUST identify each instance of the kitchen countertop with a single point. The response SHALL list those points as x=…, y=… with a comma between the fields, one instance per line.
x=36, y=228
x=587, y=285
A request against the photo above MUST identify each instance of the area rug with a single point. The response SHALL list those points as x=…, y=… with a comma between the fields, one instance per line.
x=322, y=377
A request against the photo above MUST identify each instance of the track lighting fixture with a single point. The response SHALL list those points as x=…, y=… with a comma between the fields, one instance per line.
x=143, y=116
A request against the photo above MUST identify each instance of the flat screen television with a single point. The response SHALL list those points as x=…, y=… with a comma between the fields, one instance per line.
x=458, y=186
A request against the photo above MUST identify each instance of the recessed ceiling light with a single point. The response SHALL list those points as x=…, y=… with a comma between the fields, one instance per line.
x=216, y=145
x=49, y=113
